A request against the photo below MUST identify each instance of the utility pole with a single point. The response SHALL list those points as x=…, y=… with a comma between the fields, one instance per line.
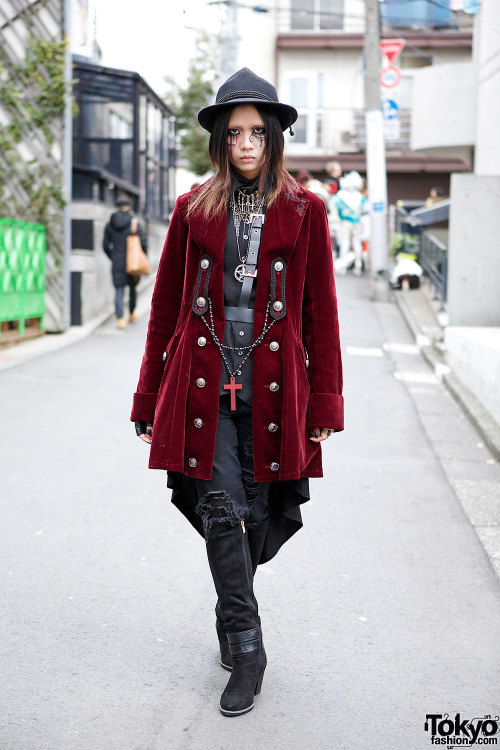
x=230, y=40
x=67, y=162
x=375, y=154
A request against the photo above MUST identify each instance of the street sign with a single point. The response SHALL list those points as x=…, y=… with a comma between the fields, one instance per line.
x=391, y=48
x=392, y=129
x=390, y=109
x=390, y=77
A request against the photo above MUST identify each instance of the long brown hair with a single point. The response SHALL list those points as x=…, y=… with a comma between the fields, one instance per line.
x=213, y=196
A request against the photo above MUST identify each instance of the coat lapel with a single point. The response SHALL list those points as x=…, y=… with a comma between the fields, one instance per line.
x=282, y=226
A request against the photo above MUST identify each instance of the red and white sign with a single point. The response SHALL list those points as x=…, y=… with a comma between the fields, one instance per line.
x=390, y=77
x=391, y=48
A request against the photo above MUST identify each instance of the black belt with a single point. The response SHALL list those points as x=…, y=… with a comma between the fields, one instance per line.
x=239, y=314
x=251, y=261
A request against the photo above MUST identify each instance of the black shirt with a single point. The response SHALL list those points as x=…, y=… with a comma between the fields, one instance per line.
x=236, y=333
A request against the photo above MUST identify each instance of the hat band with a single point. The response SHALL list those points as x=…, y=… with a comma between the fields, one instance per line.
x=246, y=95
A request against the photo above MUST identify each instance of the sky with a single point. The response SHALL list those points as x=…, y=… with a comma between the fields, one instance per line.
x=150, y=37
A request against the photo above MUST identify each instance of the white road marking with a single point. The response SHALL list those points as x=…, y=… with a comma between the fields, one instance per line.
x=364, y=351
x=441, y=370
x=416, y=377
x=401, y=348
x=423, y=340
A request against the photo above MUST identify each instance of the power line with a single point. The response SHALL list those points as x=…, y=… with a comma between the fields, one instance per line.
x=333, y=14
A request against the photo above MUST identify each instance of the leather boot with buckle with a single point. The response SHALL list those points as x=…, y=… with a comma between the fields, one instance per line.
x=256, y=537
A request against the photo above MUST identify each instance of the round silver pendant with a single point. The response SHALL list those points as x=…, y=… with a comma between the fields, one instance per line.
x=238, y=272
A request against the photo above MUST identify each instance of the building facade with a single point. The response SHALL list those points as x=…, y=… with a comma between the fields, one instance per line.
x=123, y=142
x=313, y=51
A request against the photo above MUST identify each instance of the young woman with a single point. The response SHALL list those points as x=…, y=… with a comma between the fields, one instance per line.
x=241, y=379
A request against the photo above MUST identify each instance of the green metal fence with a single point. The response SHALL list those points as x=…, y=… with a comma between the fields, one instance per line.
x=22, y=271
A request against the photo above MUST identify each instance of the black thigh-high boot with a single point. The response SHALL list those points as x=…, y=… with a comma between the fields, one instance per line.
x=256, y=536
x=231, y=566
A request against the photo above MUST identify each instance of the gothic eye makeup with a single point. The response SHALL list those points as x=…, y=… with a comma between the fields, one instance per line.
x=258, y=132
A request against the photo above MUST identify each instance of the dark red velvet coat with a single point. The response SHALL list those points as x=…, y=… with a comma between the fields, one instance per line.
x=295, y=230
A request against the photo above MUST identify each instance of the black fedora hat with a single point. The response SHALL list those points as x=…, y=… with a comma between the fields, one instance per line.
x=244, y=87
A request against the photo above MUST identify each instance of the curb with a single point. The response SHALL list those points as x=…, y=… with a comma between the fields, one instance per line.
x=432, y=352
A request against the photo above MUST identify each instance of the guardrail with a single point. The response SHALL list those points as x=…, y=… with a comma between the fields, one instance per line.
x=431, y=253
x=433, y=257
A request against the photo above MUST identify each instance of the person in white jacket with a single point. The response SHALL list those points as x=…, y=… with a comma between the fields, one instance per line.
x=349, y=203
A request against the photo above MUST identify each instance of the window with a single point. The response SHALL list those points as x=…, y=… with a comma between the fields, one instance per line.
x=316, y=15
x=121, y=135
x=306, y=94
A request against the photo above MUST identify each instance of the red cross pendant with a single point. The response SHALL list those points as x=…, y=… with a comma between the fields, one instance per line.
x=233, y=387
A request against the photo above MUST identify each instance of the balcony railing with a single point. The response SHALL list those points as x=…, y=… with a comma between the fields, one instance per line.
x=395, y=140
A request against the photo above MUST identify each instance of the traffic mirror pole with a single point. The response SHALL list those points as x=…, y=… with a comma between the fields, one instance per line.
x=375, y=154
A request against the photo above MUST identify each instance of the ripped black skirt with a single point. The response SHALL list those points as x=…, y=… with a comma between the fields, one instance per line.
x=233, y=475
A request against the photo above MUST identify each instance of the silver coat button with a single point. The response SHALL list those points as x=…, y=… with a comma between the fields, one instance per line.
x=272, y=427
x=274, y=346
x=242, y=333
x=164, y=356
x=274, y=386
x=278, y=306
x=202, y=341
x=275, y=466
x=204, y=263
x=198, y=422
x=278, y=265
x=201, y=382
x=201, y=301
x=193, y=462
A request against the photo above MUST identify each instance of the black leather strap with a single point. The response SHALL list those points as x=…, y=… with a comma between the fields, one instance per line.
x=251, y=261
x=239, y=314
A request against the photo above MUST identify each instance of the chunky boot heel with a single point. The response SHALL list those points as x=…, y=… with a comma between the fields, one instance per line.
x=249, y=663
x=258, y=686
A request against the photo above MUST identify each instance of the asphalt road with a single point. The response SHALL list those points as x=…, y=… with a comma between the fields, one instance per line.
x=383, y=609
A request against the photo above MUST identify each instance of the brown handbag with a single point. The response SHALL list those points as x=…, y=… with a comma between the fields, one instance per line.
x=137, y=260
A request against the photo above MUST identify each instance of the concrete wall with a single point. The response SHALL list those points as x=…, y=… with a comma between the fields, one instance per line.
x=474, y=257
x=444, y=103
x=474, y=354
x=97, y=291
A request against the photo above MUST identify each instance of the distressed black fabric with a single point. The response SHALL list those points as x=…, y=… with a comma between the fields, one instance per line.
x=233, y=464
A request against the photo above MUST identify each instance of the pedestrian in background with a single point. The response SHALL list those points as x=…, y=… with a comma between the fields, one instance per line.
x=436, y=194
x=115, y=246
x=334, y=172
x=224, y=395
x=349, y=203
x=308, y=182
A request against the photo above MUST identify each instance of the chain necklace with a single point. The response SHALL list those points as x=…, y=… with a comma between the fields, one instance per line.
x=244, y=206
x=265, y=329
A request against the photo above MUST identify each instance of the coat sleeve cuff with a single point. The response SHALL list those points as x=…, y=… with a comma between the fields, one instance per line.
x=143, y=407
x=326, y=410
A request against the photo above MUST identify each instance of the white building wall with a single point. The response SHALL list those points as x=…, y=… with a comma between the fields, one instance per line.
x=342, y=94
x=488, y=90
x=256, y=42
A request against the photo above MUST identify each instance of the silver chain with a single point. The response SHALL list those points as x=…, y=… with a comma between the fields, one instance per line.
x=243, y=208
x=265, y=329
